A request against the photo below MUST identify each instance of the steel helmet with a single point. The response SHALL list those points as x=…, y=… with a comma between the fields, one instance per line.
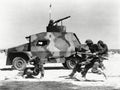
x=89, y=41
x=100, y=42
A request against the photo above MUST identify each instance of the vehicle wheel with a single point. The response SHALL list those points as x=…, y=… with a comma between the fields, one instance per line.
x=19, y=63
x=69, y=64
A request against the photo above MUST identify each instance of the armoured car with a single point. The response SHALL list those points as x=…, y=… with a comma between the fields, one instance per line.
x=53, y=46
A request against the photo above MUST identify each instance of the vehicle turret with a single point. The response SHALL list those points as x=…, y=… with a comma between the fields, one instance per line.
x=54, y=27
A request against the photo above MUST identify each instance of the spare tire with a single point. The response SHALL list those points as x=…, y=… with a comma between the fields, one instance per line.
x=19, y=63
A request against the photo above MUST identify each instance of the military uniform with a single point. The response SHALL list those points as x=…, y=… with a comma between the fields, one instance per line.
x=89, y=63
x=38, y=67
x=103, y=48
x=78, y=66
x=103, y=52
x=93, y=61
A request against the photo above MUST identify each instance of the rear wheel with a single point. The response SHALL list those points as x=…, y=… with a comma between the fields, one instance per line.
x=19, y=63
x=70, y=64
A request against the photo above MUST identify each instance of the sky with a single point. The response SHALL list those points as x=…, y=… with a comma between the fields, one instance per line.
x=90, y=19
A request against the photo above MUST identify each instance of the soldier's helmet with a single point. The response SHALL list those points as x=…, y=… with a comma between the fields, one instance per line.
x=100, y=42
x=89, y=42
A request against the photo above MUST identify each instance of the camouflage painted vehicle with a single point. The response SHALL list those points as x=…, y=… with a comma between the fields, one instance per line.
x=54, y=46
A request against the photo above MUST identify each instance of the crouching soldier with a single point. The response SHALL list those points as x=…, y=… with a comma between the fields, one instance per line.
x=34, y=71
x=78, y=66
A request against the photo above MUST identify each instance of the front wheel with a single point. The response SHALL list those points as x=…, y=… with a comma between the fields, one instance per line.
x=19, y=63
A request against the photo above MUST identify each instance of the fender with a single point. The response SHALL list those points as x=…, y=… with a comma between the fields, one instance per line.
x=12, y=55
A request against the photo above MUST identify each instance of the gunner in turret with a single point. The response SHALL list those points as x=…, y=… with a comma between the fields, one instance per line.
x=51, y=23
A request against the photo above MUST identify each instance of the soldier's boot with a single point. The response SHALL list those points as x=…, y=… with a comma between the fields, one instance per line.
x=83, y=73
x=42, y=74
x=72, y=74
x=73, y=71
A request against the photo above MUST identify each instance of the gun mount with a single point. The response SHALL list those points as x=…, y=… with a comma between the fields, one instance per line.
x=54, y=27
x=62, y=19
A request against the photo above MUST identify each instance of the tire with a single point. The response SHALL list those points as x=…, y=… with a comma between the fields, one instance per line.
x=19, y=63
x=69, y=64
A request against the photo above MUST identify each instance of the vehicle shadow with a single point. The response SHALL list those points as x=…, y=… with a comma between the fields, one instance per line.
x=46, y=68
x=6, y=69
x=54, y=68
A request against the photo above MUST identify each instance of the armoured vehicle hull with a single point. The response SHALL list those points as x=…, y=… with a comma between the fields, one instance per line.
x=51, y=47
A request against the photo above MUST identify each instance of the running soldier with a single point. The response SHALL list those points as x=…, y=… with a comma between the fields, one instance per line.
x=78, y=67
x=103, y=48
x=103, y=52
x=93, y=61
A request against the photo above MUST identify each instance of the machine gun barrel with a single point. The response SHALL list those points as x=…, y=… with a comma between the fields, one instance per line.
x=62, y=19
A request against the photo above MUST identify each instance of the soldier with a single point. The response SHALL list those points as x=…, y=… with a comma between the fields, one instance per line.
x=93, y=60
x=103, y=48
x=38, y=67
x=103, y=52
x=78, y=66
x=51, y=23
x=50, y=26
x=41, y=68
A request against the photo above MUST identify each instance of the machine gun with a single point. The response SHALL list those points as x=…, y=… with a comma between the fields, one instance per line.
x=53, y=27
x=61, y=19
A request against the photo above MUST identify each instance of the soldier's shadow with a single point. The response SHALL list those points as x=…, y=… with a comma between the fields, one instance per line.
x=87, y=80
x=76, y=79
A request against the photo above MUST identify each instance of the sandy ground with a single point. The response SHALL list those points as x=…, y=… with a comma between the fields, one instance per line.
x=56, y=74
